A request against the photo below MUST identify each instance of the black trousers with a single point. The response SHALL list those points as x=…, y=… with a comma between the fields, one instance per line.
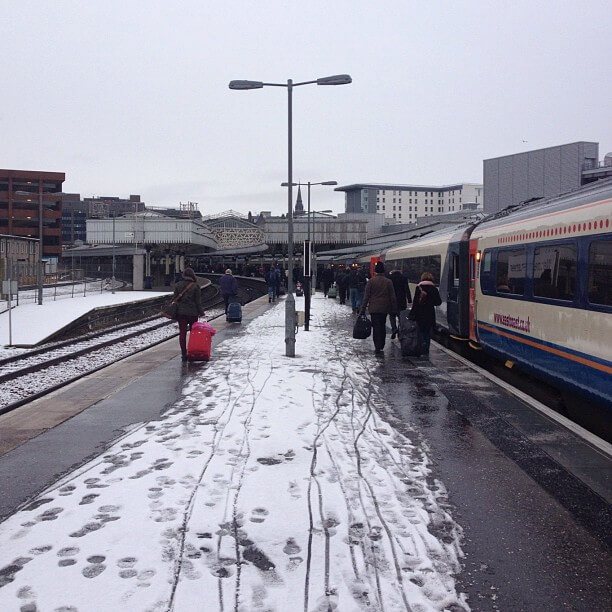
x=379, y=329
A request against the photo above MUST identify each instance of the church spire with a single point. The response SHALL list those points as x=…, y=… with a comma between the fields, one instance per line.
x=299, y=207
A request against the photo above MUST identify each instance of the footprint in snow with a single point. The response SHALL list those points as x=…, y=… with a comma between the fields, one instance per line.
x=258, y=515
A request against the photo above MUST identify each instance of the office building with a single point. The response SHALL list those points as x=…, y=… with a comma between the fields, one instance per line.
x=542, y=173
x=402, y=204
x=24, y=194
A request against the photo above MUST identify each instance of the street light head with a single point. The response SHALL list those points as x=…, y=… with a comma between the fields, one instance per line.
x=287, y=184
x=336, y=79
x=329, y=183
x=246, y=84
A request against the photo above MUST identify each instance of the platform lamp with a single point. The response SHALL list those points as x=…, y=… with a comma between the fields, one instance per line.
x=308, y=254
x=314, y=243
x=337, y=79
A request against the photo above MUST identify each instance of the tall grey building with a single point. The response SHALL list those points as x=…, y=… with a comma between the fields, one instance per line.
x=549, y=172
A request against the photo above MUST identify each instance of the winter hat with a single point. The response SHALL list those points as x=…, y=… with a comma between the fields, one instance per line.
x=189, y=273
x=379, y=268
x=228, y=271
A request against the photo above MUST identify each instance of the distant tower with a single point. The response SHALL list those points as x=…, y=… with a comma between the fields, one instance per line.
x=299, y=207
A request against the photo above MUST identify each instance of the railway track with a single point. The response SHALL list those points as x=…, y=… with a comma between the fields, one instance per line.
x=35, y=373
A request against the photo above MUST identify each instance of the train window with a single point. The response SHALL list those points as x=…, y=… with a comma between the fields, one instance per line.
x=554, y=272
x=600, y=272
x=413, y=267
x=510, y=273
x=485, y=266
x=487, y=280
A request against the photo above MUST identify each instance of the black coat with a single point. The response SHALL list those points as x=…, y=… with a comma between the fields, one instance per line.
x=191, y=303
x=426, y=298
x=342, y=280
x=402, y=290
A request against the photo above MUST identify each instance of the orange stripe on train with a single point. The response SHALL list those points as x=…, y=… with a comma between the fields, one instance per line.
x=548, y=349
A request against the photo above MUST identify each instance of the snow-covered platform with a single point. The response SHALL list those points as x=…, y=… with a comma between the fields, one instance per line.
x=335, y=480
x=32, y=324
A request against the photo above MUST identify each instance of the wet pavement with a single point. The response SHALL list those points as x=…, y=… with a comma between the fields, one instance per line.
x=535, y=537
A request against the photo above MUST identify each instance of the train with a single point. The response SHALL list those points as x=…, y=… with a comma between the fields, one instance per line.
x=531, y=285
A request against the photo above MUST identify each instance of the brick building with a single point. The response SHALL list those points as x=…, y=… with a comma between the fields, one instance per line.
x=24, y=195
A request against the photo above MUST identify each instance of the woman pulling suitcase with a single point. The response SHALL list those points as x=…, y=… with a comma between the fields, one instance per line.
x=189, y=306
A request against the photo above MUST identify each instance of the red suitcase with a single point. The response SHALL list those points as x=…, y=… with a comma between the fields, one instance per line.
x=199, y=347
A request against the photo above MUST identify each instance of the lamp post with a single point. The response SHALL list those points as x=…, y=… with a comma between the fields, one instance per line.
x=314, y=243
x=338, y=79
x=39, y=273
x=308, y=254
x=113, y=278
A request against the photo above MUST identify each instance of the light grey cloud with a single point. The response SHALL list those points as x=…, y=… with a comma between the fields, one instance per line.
x=133, y=97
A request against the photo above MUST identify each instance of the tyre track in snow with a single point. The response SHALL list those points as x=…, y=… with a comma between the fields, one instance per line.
x=369, y=560
x=398, y=570
x=245, y=459
x=372, y=494
x=217, y=438
x=320, y=432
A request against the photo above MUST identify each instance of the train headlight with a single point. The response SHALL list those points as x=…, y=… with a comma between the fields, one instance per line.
x=478, y=255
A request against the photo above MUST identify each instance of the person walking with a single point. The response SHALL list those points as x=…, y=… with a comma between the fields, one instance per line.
x=402, y=297
x=278, y=281
x=189, y=307
x=229, y=287
x=342, y=284
x=380, y=301
x=423, y=311
x=327, y=277
x=357, y=283
x=271, y=281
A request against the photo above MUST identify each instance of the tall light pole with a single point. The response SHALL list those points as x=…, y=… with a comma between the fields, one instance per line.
x=338, y=79
x=308, y=254
x=113, y=278
x=39, y=273
x=314, y=242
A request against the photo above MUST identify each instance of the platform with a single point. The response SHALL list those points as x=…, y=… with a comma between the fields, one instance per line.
x=333, y=480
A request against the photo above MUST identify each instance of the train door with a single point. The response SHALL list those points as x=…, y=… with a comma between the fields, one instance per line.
x=452, y=298
x=472, y=289
x=373, y=261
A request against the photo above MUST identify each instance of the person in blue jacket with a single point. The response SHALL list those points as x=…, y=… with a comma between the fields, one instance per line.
x=229, y=287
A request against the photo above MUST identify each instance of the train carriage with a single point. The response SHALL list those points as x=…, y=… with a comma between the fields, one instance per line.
x=542, y=295
x=445, y=255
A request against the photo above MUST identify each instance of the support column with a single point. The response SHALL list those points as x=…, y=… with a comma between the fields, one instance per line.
x=177, y=268
x=148, y=279
x=167, y=278
x=137, y=272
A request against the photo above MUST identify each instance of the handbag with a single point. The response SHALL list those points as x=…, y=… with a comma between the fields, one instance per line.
x=362, y=328
x=170, y=310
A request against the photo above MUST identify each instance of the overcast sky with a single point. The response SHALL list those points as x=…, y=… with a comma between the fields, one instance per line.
x=131, y=96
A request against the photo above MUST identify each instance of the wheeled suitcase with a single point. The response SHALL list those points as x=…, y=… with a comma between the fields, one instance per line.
x=411, y=342
x=332, y=292
x=234, y=313
x=199, y=347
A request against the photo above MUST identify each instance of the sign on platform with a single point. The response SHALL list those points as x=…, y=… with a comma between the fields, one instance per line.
x=307, y=257
x=129, y=234
x=11, y=287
